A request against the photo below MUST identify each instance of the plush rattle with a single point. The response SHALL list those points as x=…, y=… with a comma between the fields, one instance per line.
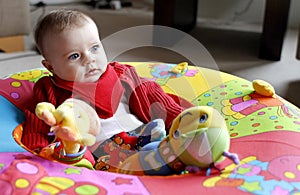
x=75, y=125
x=198, y=139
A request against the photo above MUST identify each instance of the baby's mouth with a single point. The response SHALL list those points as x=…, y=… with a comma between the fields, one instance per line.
x=92, y=72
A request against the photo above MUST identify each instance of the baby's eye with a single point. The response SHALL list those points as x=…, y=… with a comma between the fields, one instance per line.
x=74, y=56
x=95, y=48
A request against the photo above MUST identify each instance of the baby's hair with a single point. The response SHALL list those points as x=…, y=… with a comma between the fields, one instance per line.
x=58, y=21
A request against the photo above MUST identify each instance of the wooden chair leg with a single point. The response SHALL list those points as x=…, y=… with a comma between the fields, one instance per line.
x=274, y=28
x=298, y=46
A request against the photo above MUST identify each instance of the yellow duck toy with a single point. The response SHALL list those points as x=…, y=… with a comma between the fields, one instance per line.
x=179, y=68
x=198, y=139
x=75, y=125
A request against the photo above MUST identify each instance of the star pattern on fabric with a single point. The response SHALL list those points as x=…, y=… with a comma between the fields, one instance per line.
x=251, y=186
x=122, y=180
x=243, y=170
x=279, y=190
x=70, y=171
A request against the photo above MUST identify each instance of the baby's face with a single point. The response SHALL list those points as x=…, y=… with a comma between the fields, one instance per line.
x=76, y=54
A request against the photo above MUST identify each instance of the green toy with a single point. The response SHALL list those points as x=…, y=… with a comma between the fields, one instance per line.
x=198, y=139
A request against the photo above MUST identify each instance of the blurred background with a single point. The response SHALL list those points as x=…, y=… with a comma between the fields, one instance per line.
x=230, y=31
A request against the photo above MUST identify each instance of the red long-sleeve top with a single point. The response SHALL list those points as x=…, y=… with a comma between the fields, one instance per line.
x=147, y=101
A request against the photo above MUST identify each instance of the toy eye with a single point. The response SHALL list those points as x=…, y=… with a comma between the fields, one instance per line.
x=203, y=118
x=176, y=134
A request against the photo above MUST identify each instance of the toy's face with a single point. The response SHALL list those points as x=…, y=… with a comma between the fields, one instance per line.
x=74, y=116
x=81, y=119
x=199, y=136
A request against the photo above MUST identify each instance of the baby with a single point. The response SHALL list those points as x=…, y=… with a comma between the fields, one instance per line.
x=126, y=104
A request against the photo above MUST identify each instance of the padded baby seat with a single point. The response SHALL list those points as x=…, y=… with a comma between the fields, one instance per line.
x=264, y=133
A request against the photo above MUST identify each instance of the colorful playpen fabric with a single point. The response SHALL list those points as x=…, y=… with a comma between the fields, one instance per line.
x=264, y=133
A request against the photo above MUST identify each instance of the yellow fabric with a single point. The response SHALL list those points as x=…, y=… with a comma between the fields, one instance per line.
x=188, y=87
x=234, y=97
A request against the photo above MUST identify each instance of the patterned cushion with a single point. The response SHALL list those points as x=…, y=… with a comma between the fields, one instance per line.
x=264, y=133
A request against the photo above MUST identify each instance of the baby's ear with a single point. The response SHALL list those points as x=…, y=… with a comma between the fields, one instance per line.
x=47, y=65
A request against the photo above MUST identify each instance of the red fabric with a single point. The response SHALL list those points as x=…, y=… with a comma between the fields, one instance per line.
x=147, y=101
x=104, y=94
x=128, y=140
x=88, y=155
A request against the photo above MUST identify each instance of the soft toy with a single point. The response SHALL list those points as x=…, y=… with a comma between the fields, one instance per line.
x=263, y=88
x=122, y=145
x=198, y=139
x=179, y=68
x=75, y=125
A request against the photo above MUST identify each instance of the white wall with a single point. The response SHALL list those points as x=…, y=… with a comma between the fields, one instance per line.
x=248, y=11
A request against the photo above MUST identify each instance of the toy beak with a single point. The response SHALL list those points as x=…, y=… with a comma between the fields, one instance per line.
x=196, y=143
x=54, y=129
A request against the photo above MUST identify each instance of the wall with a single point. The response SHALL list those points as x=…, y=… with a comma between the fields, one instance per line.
x=247, y=11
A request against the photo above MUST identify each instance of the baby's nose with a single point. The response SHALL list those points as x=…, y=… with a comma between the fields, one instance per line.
x=88, y=59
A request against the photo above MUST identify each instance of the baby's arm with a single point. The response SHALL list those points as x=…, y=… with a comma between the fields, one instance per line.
x=35, y=131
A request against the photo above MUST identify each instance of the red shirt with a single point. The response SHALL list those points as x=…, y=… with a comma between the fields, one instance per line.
x=147, y=101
